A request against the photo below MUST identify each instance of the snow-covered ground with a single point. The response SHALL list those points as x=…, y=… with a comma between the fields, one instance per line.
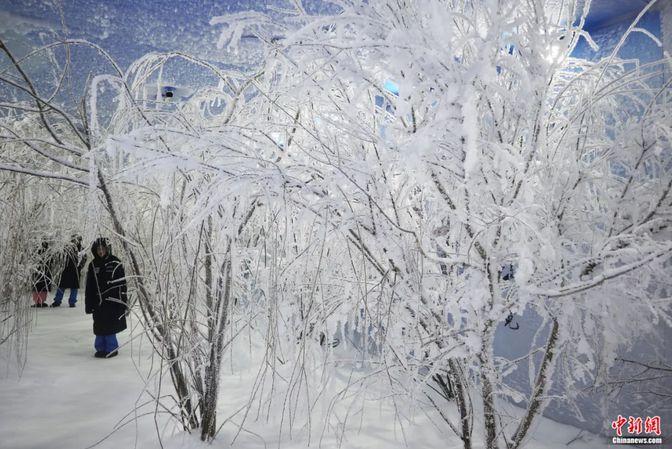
x=66, y=398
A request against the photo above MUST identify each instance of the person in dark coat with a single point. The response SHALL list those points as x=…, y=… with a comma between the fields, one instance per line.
x=74, y=262
x=105, y=298
x=42, y=279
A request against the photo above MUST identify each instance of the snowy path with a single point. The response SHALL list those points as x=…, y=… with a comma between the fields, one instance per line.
x=67, y=399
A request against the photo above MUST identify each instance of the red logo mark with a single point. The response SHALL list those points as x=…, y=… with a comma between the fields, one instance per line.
x=652, y=425
x=634, y=425
x=618, y=425
x=637, y=425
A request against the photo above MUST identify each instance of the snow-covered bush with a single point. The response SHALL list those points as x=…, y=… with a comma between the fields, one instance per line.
x=495, y=152
x=399, y=179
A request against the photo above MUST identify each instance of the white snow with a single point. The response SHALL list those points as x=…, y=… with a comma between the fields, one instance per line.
x=66, y=398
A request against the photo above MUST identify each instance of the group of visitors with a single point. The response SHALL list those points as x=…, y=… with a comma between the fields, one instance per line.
x=74, y=260
x=105, y=295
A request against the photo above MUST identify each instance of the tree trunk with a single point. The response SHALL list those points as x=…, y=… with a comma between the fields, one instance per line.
x=159, y=332
x=461, y=399
x=216, y=327
x=541, y=385
x=489, y=409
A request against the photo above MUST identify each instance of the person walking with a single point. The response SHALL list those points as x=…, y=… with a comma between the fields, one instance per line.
x=74, y=262
x=42, y=280
x=105, y=298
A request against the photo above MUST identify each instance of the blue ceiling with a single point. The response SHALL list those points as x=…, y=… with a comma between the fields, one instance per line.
x=131, y=28
x=605, y=12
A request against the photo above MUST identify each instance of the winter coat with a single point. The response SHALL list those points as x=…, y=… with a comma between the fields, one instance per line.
x=42, y=278
x=105, y=295
x=72, y=268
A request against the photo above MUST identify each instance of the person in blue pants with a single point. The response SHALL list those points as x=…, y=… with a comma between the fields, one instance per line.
x=105, y=298
x=70, y=275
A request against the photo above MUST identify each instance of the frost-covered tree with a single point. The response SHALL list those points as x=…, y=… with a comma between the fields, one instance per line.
x=32, y=207
x=478, y=172
x=400, y=178
x=179, y=260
